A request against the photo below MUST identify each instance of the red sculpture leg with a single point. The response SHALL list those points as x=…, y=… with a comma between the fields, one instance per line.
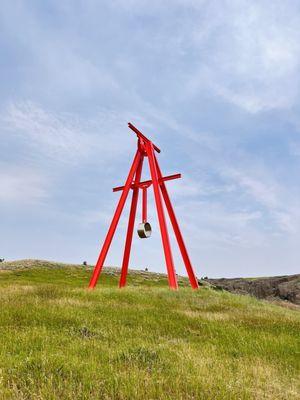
x=144, y=206
x=114, y=222
x=135, y=195
x=161, y=218
x=180, y=241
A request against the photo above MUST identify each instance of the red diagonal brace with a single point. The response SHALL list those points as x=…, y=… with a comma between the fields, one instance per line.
x=126, y=256
x=114, y=222
x=145, y=149
x=149, y=182
x=161, y=218
x=180, y=241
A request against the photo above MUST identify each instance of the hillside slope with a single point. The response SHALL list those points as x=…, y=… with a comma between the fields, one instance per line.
x=61, y=341
x=276, y=287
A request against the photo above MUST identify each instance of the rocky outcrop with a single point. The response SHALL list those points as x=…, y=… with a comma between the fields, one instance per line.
x=277, y=287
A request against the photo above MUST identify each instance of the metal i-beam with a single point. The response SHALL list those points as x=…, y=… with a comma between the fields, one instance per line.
x=149, y=182
x=141, y=136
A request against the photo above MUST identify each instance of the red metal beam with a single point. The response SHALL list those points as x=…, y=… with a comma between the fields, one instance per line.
x=178, y=234
x=145, y=149
x=149, y=182
x=141, y=136
x=114, y=222
x=144, y=205
x=126, y=256
x=161, y=218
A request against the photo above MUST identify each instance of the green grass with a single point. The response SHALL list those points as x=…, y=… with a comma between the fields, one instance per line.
x=59, y=340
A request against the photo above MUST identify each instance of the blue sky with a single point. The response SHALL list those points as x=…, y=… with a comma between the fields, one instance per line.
x=215, y=84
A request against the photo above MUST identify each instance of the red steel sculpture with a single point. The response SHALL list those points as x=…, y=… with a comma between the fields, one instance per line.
x=145, y=148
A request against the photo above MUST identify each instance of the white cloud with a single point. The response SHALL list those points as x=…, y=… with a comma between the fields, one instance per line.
x=21, y=185
x=288, y=220
x=266, y=193
x=56, y=135
x=278, y=201
x=294, y=148
x=244, y=53
x=254, y=56
x=213, y=224
x=66, y=137
x=245, y=191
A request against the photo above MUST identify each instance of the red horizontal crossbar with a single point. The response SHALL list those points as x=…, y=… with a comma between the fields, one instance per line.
x=149, y=182
x=140, y=135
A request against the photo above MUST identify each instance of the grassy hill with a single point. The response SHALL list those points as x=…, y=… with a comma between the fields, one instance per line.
x=59, y=340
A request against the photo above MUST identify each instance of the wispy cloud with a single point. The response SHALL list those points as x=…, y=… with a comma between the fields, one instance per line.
x=198, y=78
x=66, y=137
x=58, y=136
x=21, y=185
x=254, y=60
